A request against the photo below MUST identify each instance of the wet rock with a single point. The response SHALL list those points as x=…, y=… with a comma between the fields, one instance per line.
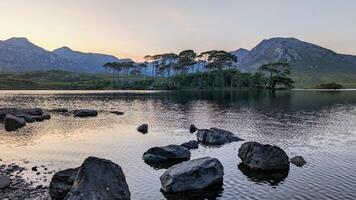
x=192, y=175
x=143, y=128
x=192, y=128
x=216, y=137
x=273, y=177
x=85, y=113
x=12, y=123
x=117, y=112
x=99, y=179
x=33, y=111
x=166, y=156
x=34, y=118
x=46, y=116
x=62, y=182
x=193, y=144
x=263, y=156
x=59, y=110
x=298, y=161
x=4, y=182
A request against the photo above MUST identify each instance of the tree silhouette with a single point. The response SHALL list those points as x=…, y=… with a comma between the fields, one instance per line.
x=277, y=74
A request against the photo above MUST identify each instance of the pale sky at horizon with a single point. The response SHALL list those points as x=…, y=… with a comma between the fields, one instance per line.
x=134, y=28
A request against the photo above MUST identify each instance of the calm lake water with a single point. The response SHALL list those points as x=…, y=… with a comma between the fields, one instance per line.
x=319, y=125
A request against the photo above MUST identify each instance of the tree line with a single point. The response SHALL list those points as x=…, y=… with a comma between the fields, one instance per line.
x=170, y=66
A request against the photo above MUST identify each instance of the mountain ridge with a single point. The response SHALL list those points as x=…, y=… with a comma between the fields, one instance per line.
x=19, y=54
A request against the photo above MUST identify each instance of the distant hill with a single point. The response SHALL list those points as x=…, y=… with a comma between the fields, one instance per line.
x=19, y=54
x=311, y=64
x=304, y=57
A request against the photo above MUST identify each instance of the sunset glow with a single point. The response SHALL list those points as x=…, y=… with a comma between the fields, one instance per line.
x=127, y=28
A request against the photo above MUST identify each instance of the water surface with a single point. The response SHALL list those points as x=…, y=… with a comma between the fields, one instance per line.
x=319, y=125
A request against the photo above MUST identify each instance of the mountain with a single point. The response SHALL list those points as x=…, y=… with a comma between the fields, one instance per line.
x=240, y=53
x=19, y=54
x=304, y=57
x=88, y=62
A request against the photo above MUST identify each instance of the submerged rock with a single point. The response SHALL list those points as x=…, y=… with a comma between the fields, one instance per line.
x=166, y=156
x=215, y=136
x=62, y=183
x=85, y=113
x=117, y=112
x=99, y=179
x=143, y=128
x=298, y=161
x=263, y=156
x=193, y=144
x=192, y=175
x=192, y=128
x=59, y=110
x=12, y=123
x=4, y=182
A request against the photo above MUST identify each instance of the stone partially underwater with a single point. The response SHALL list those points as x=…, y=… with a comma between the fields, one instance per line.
x=192, y=175
x=263, y=156
x=166, y=156
x=96, y=179
x=14, y=118
x=216, y=137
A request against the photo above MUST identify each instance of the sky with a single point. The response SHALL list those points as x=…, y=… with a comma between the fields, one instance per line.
x=135, y=28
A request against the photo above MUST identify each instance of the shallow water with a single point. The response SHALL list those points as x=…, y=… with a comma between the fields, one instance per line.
x=319, y=125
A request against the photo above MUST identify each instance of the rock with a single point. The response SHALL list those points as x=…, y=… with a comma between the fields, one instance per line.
x=263, y=156
x=59, y=110
x=117, y=112
x=215, y=137
x=298, y=161
x=33, y=111
x=166, y=156
x=99, y=179
x=193, y=144
x=12, y=123
x=34, y=118
x=143, y=128
x=192, y=175
x=192, y=128
x=85, y=113
x=62, y=182
x=4, y=182
x=47, y=116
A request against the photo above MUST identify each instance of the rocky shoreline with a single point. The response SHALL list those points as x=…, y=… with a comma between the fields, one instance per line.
x=19, y=187
x=98, y=178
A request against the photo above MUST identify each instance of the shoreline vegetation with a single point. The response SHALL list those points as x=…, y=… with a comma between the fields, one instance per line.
x=186, y=70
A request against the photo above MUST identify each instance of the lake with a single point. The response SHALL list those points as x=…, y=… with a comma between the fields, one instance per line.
x=318, y=125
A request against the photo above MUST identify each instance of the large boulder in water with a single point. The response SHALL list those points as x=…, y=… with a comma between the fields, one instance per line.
x=215, y=136
x=12, y=123
x=62, y=183
x=85, y=113
x=166, y=155
x=263, y=156
x=192, y=175
x=99, y=179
